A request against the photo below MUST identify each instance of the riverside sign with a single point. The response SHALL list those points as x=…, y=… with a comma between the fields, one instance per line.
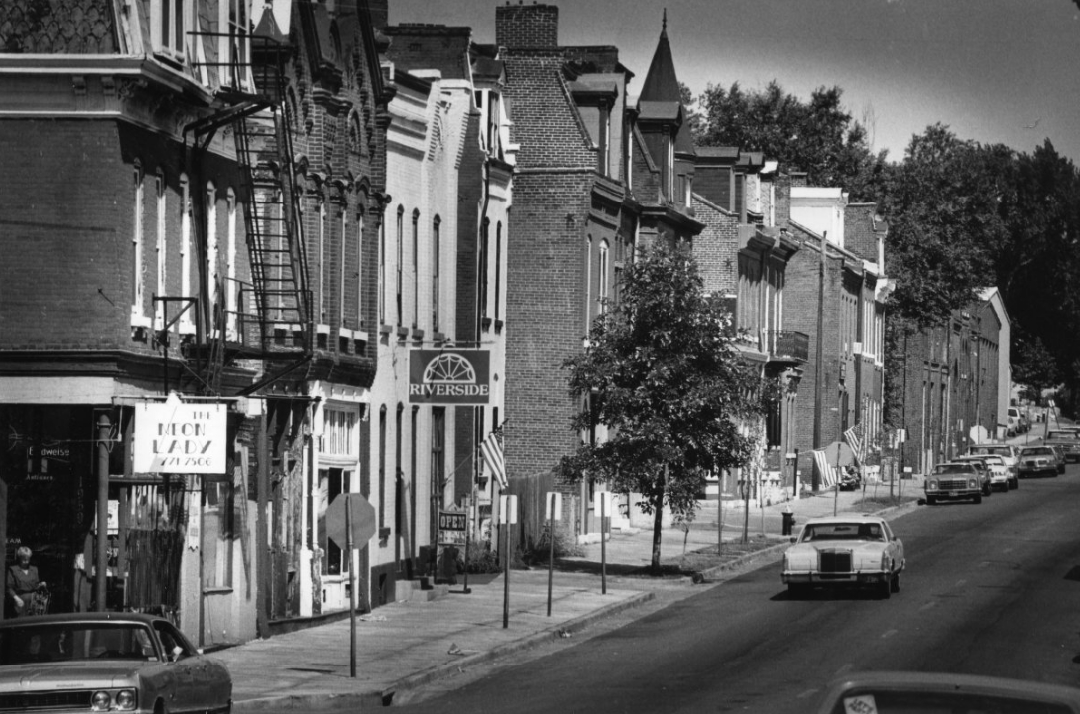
x=449, y=377
x=180, y=438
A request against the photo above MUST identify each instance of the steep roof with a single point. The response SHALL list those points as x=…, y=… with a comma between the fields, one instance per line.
x=661, y=83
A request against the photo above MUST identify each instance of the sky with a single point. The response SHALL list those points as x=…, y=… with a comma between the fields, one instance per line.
x=994, y=71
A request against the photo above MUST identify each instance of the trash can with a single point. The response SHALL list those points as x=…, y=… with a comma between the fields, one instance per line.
x=787, y=521
x=447, y=566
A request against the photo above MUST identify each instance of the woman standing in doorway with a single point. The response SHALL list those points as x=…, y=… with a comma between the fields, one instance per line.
x=23, y=582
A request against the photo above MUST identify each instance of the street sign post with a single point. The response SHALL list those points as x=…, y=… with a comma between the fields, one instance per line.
x=554, y=513
x=603, y=503
x=508, y=507
x=350, y=523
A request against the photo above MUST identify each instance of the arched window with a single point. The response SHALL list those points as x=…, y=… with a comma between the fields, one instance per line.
x=435, y=274
x=211, y=290
x=137, y=245
x=400, y=260
x=498, y=269
x=602, y=278
x=416, y=267
x=162, y=246
x=483, y=267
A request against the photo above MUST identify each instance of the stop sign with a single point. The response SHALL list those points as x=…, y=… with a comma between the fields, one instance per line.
x=363, y=520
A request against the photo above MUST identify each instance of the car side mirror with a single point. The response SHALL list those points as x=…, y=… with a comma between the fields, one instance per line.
x=793, y=539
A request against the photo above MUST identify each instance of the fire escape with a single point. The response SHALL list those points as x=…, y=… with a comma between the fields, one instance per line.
x=272, y=318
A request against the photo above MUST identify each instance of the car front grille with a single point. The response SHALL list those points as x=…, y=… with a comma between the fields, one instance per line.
x=952, y=484
x=834, y=561
x=22, y=701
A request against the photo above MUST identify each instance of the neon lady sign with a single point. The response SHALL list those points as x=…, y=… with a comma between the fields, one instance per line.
x=449, y=376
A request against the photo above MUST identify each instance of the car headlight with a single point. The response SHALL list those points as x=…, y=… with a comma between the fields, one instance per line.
x=972, y=483
x=884, y=560
x=125, y=699
x=933, y=485
x=101, y=701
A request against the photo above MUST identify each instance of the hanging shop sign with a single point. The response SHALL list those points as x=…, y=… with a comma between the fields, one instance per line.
x=180, y=438
x=449, y=377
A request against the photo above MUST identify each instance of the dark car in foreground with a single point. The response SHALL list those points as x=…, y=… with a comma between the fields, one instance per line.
x=944, y=693
x=107, y=662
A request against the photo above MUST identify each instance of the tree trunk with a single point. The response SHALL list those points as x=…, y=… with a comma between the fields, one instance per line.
x=658, y=523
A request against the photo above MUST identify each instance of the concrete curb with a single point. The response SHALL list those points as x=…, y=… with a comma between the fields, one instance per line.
x=358, y=701
x=571, y=626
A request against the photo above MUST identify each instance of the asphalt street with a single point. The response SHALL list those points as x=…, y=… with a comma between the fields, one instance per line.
x=989, y=589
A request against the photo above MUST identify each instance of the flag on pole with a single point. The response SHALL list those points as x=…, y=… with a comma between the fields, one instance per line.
x=491, y=450
x=826, y=469
x=854, y=440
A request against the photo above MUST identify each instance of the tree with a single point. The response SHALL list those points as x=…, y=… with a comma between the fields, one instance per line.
x=661, y=372
x=1034, y=368
x=818, y=137
x=942, y=205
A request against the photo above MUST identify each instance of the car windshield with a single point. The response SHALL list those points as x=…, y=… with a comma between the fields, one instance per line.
x=953, y=468
x=1063, y=435
x=999, y=450
x=1037, y=451
x=843, y=531
x=75, y=641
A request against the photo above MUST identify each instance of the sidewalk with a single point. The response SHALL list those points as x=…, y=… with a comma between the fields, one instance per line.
x=408, y=643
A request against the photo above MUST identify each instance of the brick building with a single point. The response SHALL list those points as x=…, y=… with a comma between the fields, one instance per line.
x=200, y=173
x=953, y=381
x=838, y=299
x=743, y=256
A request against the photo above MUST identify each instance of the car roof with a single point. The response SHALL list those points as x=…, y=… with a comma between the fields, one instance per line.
x=133, y=618
x=845, y=518
x=951, y=682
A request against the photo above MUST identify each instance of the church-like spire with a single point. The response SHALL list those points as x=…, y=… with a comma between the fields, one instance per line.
x=661, y=84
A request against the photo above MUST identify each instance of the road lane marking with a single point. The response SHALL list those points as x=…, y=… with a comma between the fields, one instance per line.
x=807, y=693
x=888, y=633
x=961, y=582
x=927, y=606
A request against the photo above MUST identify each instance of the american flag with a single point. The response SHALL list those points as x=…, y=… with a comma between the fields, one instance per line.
x=491, y=450
x=854, y=440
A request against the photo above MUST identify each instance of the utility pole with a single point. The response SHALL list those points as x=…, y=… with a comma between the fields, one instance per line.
x=819, y=367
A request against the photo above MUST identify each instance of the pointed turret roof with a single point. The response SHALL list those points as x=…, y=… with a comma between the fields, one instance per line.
x=661, y=84
x=268, y=26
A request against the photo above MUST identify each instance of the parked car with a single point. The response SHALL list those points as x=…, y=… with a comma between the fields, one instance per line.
x=1038, y=461
x=1016, y=423
x=906, y=692
x=1007, y=452
x=1068, y=439
x=105, y=662
x=1059, y=454
x=954, y=481
x=844, y=551
x=997, y=471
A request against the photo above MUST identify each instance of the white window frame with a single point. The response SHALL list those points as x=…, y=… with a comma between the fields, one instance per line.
x=211, y=251
x=138, y=312
x=230, y=266
x=602, y=274
x=175, y=16
x=186, y=257
x=162, y=246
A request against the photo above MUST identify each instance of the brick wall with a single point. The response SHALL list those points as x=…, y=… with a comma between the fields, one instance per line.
x=445, y=49
x=716, y=247
x=526, y=25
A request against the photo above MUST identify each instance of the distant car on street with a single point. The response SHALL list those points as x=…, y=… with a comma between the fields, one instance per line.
x=845, y=551
x=1038, y=461
x=995, y=467
x=955, y=481
x=1007, y=452
x=1017, y=424
x=1068, y=439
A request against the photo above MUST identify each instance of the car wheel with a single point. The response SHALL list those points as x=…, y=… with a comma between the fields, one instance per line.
x=1016, y=483
x=931, y=500
x=978, y=499
x=885, y=589
x=895, y=585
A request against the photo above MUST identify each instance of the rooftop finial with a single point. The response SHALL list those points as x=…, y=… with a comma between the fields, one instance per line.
x=665, y=19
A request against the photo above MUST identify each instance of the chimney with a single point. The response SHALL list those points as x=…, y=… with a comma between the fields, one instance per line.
x=526, y=25
x=798, y=179
x=380, y=13
x=784, y=182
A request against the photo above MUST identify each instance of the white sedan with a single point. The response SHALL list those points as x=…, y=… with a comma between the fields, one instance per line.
x=844, y=551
